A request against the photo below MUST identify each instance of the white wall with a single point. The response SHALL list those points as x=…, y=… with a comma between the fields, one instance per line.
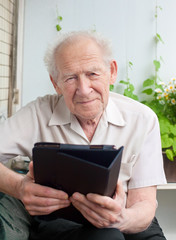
x=130, y=24
x=166, y=212
x=113, y=18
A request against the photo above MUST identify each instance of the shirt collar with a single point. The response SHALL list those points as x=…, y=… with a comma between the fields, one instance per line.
x=61, y=114
x=112, y=114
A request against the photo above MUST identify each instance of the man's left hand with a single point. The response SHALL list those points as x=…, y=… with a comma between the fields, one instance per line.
x=101, y=211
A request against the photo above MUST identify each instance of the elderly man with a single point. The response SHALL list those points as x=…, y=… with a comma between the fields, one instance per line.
x=81, y=69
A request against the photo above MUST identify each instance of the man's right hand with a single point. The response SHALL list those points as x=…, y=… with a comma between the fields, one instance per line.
x=38, y=199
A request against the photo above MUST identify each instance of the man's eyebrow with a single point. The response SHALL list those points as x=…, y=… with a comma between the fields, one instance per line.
x=91, y=69
x=94, y=69
x=68, y=75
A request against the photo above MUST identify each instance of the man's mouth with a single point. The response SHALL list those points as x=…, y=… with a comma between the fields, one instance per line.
x=84, y=102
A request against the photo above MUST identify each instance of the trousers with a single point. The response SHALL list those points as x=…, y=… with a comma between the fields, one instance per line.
x=17, y=224
x=61, y=229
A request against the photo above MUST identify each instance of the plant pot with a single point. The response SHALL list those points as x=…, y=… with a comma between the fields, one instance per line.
x=170, y=169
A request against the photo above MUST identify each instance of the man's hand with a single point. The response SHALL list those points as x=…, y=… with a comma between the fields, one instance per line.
x=101, y=211
x=130, y=215
x=40, y=200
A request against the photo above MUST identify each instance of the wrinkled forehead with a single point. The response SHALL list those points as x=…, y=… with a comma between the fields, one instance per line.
x=78, y=52
x=78, y=45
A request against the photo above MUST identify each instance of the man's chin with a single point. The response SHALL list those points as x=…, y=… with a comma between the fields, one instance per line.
x=88, y=116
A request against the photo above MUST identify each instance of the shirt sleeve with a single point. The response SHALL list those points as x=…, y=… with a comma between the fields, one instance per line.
x=17, y=134
x=148, y=168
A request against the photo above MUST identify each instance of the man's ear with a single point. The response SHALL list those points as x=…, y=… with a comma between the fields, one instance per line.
x=58, y=90
x=113, y=71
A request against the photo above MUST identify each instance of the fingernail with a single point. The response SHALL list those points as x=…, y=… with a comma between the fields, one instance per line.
x=76, y=196
x=66, y=197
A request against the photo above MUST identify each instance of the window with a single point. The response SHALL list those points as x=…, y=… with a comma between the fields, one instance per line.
x=8, y=34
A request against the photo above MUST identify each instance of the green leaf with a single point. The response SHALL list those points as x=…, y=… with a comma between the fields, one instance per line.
x=59, y=18
x=130, y=64
x=111, y=87
x=164, y=126
x=174, y=146
x=131, y=87
x=148, y=82
x=58, y=27
x=166, y=141
x=157, y=65
x=128, y=93
x=148, y=91
x=158, y=37
x=159, y=86
x=135, y=97
x=169, y=154
x=173, y=129
x=124, y=82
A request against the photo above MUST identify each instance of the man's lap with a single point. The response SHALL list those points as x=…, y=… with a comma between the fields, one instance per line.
x=63, y=229
x=153, y=232
x=15, y=224
x=15, y=221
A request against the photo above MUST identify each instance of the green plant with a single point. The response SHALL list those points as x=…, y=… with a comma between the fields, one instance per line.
x=168, y=137
x=129, y=87
x=161, y=99
x=59, y=19
x=164, y=105
x=150, y=84
x=165, y=95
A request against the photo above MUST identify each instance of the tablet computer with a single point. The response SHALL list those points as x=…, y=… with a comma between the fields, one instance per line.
x=76, y=168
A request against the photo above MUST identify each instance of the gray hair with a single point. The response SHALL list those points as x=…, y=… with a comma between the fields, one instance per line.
x=68, y=38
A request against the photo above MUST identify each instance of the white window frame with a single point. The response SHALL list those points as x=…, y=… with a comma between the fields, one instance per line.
x=19, y=63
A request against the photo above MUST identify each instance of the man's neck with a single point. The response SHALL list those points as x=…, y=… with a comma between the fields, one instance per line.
x=89, y=126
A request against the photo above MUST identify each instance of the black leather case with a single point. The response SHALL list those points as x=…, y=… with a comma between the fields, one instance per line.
x=76, y=168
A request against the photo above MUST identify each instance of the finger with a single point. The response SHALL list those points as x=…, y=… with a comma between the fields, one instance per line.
x=82, y=201
x=43, y=205
x=31, y=170
x=43, y=191
x=119, y=190
x=108, y=202
x=45, y=202
x=105, y=216
x=88, y=211
x=33, y=210
x=103, y=201
x=86, y=206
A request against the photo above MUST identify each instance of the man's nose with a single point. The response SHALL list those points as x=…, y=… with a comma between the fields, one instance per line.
x=83, y=86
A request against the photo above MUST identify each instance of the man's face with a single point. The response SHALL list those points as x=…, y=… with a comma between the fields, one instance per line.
x=84, y=79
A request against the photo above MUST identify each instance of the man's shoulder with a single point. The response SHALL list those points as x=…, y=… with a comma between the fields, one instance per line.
x=130, y=106
x=48, y=101
x=50, y=98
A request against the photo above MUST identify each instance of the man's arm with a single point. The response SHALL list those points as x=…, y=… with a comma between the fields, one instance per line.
x=102, y=211
x=38, y=200
x=140, y=209
x=9, y=181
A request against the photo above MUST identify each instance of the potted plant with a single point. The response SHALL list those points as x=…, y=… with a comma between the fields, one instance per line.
x=163, y=104
x=162, y=101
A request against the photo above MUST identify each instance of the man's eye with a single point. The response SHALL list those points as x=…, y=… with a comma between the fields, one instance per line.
x=92, y=74
x=70, y=79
